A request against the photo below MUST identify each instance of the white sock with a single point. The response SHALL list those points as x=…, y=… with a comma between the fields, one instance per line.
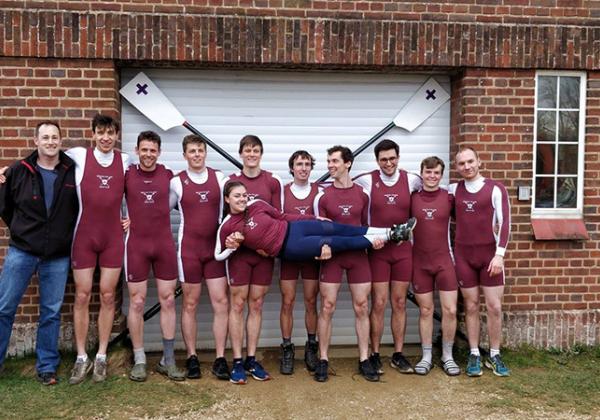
x=101, y=357
x=82, y=358
x=494, y=352
x=139, y=356
x=475, y=351
x=374, y=234
x=447, y=350
x=426, y=353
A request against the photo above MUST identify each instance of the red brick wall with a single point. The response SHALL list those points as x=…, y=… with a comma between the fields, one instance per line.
x=318, y=35
x=493, y=110
x=61, y=60
x=503, y=11
x=68, y=91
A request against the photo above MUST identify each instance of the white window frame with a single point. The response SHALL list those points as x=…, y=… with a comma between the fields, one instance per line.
x=561, y=213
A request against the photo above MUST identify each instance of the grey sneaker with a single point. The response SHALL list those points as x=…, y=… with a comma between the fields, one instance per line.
x=172, y=372
x=403, y=232
x=138, y=372
x=80, y=371
x=100, y=368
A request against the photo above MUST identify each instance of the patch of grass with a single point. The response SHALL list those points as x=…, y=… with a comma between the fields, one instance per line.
x=24, y=398
x=565, y=380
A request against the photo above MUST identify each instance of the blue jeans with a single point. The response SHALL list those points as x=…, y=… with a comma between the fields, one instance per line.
x=18, y=268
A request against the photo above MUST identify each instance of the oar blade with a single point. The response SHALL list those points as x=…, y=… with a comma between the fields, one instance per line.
x=423, y=104
x=147, y=98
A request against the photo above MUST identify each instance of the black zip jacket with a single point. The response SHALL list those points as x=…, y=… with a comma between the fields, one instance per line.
x=23, y=210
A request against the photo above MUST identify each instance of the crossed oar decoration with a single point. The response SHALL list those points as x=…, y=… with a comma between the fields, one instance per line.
x=147, y=98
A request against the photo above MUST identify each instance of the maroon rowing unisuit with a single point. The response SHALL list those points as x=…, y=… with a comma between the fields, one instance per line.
x=349, y=206
x=149, y=241
x=99, y=236
x=309, y=270
x=432, y=257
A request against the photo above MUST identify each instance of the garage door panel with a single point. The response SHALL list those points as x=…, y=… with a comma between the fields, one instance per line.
x=288, y=110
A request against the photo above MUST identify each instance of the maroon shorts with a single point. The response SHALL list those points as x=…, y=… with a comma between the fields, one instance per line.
x=433, y=270
x=104, y=249
x=193, y=270
x=143, y=253
x=246, y=267
x=472, y=262
x=391, y=263
x=356, y=264
x=308, y=270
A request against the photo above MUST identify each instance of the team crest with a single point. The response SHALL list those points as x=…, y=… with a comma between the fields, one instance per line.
x=251, y=223
x=252, y=196
x=391, y=199
x=470, y=206
x=203, y=196
x=104, y=181
x=377, y=184
x=345, y=209
x=148, y=196
x=429, y=213
x=302, y=209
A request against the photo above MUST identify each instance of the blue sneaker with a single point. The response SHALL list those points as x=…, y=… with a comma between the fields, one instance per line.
x=238, y=374
x=256, y=370
x=474, y=366
x=497, y=365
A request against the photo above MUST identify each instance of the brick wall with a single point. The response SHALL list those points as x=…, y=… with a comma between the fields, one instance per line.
x=552, y=286
x=474, y=35
x=572, y=12
x=61, y=60
x=68, y=91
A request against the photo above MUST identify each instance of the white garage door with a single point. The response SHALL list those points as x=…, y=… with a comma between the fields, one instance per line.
x=288, y=111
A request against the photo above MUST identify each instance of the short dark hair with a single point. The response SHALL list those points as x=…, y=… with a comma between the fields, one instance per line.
x=303, y=154
x=384, y=145
x=346, y=153
x=105, y=121
x=464, y=149
x=149, y=136
x=250, y=140
x=192, y=139
x=47, y=122
x=432, y=162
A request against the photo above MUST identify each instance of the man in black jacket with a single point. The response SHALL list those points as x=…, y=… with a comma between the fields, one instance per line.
x=38, y=203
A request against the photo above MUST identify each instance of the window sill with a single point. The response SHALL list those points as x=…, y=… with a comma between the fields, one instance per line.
x=559, y=229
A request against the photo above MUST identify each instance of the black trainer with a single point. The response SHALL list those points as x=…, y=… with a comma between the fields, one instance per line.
x=311, y=358
x=47, y=378
x=322, y=371
x=220, y=368
x=367, y=370
x=286, y=365
x=403, y=232
x=192, y=365
x=376, y=362
x=400, y=363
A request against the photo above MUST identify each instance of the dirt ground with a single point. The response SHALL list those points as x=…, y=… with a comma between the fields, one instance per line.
x=347, y=395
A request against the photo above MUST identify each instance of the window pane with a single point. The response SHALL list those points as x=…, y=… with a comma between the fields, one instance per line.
x=544, y=192
x=546, y=92
x=568, y=126
x=567, y=193
x=569, y=92
x=567, y=159
x=545, y=159
x=546, y=128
